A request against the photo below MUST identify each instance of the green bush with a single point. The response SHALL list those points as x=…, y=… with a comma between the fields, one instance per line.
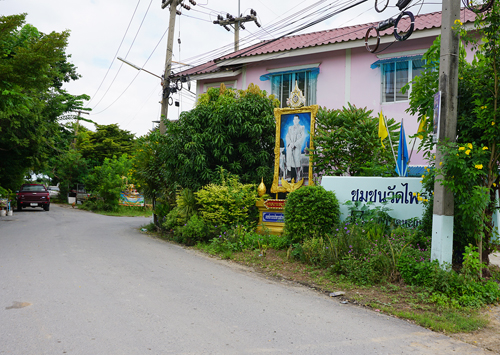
x=183, y=211
x=229, y=203
x=310, y=211
x=193, y=232
x=106, y=182
x=448, y=288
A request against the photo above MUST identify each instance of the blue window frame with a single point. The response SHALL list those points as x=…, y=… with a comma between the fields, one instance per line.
x=282, y=84
x=397, y=74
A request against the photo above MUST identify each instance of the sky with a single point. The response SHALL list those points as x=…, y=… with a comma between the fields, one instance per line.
x=136, y=30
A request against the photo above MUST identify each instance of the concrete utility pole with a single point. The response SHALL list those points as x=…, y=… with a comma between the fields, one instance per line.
x=168, y=61
x=236, y=23
x=442, y=219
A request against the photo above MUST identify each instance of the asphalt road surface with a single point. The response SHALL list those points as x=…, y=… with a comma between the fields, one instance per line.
x=73, y=282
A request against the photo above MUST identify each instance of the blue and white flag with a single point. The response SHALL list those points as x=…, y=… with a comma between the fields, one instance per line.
x=402, y=162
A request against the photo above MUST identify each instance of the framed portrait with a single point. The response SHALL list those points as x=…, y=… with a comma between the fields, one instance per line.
x=294, y=133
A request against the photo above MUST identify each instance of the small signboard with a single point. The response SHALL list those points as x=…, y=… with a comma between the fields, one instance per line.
x=131, y=197
x=273, y=217
x=275, y=204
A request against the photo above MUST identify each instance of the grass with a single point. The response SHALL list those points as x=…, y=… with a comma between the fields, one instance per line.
x=125, y=211
x=399, y=300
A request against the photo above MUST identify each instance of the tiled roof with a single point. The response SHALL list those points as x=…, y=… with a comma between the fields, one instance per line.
x=320, y=38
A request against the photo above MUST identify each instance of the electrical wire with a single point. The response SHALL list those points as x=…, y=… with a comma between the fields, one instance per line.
x=274, y=27
x=126, y=55
x=298, y=29
x=123, y=92
x=114, y=57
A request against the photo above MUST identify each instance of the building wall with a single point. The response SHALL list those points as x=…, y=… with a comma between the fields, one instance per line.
x=345, y=76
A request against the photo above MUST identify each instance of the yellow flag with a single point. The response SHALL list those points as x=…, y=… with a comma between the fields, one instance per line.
x=382, y=130
x=422, y=127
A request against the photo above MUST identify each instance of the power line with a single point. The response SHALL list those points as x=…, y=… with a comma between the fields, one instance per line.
x=164, y=33
x=131, y=45
x=116, y=54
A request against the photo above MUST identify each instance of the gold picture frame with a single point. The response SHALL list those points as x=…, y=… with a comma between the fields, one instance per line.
x=291, y=157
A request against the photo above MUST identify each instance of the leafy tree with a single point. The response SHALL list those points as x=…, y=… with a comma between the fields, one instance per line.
x=33, y=68
x=471, y=165
x=107, y=181
x=233, y=129
x=347, y=142
x=105, y=142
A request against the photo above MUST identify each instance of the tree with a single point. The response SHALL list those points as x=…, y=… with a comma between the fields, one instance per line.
x=33, y=68
x=108, y=180
x=233, y=129
x=471, y=165
x=347, y=142
x=105, y=142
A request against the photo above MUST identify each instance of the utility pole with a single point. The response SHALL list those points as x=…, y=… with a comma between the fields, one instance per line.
x=77, y=125
x=168, y=61
x=442, y=219
x=236, y=23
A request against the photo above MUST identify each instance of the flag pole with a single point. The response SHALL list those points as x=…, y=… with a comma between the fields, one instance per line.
x=411, y=153
x=390, y=140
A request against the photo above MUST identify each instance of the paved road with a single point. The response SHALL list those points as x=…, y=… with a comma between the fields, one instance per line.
x=72, y=282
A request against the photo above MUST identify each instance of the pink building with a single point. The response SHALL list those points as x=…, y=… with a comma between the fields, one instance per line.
x=334, y=67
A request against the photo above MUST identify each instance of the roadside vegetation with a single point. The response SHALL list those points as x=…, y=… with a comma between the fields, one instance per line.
x=378, y=264
x=200, y=177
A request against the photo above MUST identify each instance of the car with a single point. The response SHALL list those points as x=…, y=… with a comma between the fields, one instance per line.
x=53, y=191
x=33, y=195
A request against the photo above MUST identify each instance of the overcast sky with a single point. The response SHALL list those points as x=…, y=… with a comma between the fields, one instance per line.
x=99, y=26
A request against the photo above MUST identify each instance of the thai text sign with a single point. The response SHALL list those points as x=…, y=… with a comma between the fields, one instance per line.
x=275, y=204
x=399, y=194
x=273, y=217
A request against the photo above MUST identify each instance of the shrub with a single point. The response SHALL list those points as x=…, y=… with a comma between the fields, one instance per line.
x=310, y=211
x=229, y=203
x=106, y=181
x=193, y=232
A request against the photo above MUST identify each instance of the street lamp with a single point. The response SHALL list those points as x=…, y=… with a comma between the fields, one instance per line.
x=136, y=67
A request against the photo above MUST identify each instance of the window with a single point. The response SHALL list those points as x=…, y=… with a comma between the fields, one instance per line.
x=397, y=74
x=283, y=83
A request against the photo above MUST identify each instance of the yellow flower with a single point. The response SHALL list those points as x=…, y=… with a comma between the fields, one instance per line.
x=457, y=154
x=467, y=151
x=458, y=22
x=440, y=163
x=492, y=123
x=414, y=194
x=423, y=176
x=494, y=185
x=469, y=145
x=461, y=148
x=434, y=156
x=485, y=148
x=478, y=166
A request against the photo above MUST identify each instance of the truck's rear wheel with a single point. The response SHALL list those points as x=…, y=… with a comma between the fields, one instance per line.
x=46, y=207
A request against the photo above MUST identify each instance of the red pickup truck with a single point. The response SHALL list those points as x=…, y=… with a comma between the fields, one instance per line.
x=33, y=195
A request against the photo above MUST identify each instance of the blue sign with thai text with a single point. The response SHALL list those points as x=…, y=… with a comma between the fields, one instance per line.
x=273, y=217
